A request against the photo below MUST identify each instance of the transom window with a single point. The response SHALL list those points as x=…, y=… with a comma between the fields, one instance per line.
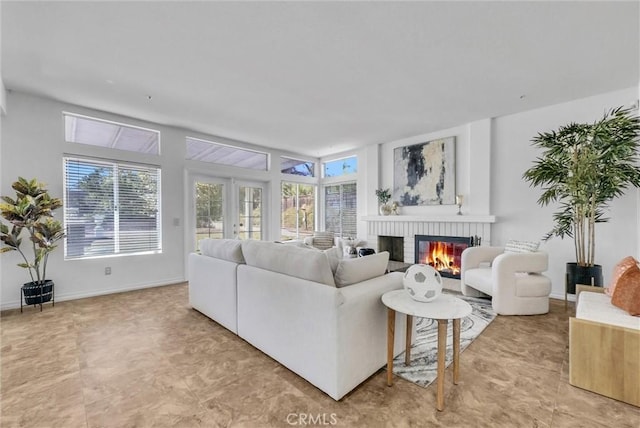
x=110, y=208
x=208, y=151
x=97, y=132
x=339, y=167
x=297, y=167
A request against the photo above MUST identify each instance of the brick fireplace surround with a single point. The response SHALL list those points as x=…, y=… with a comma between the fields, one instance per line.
x=410, y=226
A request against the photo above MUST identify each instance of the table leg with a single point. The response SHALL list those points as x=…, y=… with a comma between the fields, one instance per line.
x=442, y=350
x=456, y=350
x=391, y=326
x=407, y=343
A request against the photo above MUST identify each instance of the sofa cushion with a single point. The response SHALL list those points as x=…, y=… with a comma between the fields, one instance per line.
x=597, y=307
x=480, y=279
x=627, y=291
x=622, y=266
x=352, y=271
x=514, y=246
x=532, y=285
x=225, y=249
x=289, y=260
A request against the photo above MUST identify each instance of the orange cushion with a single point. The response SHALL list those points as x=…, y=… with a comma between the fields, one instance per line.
x=627, y=293
x=621, y=268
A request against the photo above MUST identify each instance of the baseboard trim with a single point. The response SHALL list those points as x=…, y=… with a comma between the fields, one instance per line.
x=82, y=295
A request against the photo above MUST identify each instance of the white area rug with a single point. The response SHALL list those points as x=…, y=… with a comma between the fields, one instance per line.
x=424, y=352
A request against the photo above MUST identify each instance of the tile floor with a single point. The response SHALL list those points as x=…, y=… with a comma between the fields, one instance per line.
x=146, y=359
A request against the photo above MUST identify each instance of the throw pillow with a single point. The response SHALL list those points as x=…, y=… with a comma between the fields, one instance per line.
x=351, y=271
x=627, y=291
x=323, y=240
x=624, y=264
x=514, y=246
x=225, y=249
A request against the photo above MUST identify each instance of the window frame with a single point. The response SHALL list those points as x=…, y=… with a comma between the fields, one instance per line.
x=116, y=166
x=341, y=184
x=297, y=205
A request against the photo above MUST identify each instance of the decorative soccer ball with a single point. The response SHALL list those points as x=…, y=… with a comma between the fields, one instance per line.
x=422, y=282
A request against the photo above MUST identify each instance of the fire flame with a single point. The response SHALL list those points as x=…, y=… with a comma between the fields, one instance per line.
x=441, y=258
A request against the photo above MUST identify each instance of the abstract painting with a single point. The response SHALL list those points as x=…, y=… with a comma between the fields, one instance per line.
x=425, y=174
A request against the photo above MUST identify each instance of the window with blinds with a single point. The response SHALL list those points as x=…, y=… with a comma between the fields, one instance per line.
x=110, y=208
x=341, y=209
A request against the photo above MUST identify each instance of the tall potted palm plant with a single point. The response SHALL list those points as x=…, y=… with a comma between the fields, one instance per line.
x=31, y=211
x=582, y=168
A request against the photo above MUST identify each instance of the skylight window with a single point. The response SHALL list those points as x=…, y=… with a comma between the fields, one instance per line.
x=208, y=151
x=97, y=132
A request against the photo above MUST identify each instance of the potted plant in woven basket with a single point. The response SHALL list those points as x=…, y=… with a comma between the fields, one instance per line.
x=583, y=167
x=31, y=212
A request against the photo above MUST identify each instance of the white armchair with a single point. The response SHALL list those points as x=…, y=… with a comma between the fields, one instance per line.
x=513, y=280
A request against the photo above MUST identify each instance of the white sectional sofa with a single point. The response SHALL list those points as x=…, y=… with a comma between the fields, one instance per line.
x=288, y=302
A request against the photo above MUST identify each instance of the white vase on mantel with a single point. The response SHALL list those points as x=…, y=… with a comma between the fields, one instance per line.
x=385, y=209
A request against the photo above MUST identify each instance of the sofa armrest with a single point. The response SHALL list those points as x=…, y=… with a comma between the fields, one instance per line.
x=472, y=257
x=581, y=287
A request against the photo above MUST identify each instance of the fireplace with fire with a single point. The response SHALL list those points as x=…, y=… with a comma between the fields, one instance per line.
x=444, y=253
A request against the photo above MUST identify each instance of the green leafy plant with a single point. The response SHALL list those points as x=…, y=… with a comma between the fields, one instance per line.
x=383, y=195
x=583, y=167
x=31, y=211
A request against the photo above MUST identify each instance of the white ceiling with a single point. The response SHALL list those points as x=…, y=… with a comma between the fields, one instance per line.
x=318, y=77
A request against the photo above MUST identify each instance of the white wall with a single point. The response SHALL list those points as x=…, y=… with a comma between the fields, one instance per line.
x=514, y=202
x=33, y=146
x=492, y=155
x=473, y=148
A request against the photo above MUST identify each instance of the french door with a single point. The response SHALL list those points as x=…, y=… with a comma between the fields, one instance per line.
x=227, y=208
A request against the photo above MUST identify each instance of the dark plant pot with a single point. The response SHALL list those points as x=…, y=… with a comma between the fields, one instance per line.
x=587, y=275
x=35, y=293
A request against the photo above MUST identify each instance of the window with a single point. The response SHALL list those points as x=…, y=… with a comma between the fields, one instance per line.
x=98, y=132
x=209, y=210
x=208, y=151
x=340, y=167
x=111, y=208
x=298, y=210
x=341, y=209
x=296, y=167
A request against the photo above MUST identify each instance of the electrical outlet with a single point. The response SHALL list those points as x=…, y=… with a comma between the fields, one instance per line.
x=107, y=270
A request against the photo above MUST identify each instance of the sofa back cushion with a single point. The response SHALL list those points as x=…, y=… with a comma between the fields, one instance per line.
x=351, y=271
x=289, y=260
x=225, y=249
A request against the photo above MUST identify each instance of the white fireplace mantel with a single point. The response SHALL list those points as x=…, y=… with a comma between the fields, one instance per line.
x=408, y=226
x=432, y=218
